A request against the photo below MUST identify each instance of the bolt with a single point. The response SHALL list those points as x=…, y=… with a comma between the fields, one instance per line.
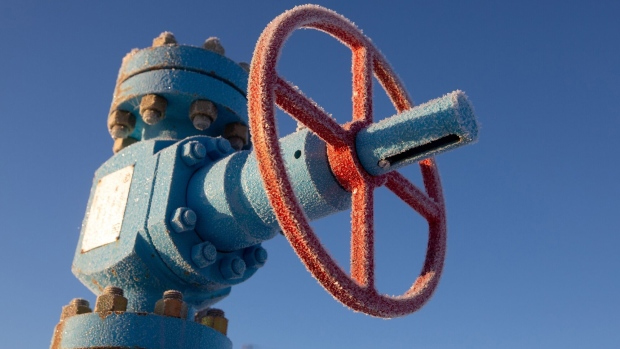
x=121, y=123
x=171, y=305
x=201, y=122
x=213, y=318
x=193, y=152
x=111, y=299
x=237, y=135
x=383, y=163
x=173, y=294
x=213, y=44
x=202, y=113
x=183, y=219
x=223, y=145
x=113, y=290
x=153, y=108
x=204, y=254
x=232, y=268
x=245, y=66
x=165, y=38
x=255, y=257
x=121, y=143
x=77, y=306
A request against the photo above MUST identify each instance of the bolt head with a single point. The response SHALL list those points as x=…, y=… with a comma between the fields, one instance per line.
x=204, y=254
x=383, y=163
x=110, y=302
x=201, y=122
x=121, y=123
x=183, y=219
x=224, y=146
x=153, y=108
x=237, y=134
x=151, y=116
x=255, y=257
x=171, y=307
x=193, y=153
x=213, y=44
x=202, y=113
x=165, y=38
x=232, y=268
x=119, y=131
x=76, y=307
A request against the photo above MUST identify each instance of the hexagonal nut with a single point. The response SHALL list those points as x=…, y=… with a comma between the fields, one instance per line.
x=76, y=307
x=121, y=118
x=236, y=131
x=204, y=107
x=165, y=38
x=110, y=302
x=232, y=268
x=183, y=219
x=255, y=256
x=213, y=44
x=193, y=153
x=204, y=254
x=155, y=103
x=171, y=307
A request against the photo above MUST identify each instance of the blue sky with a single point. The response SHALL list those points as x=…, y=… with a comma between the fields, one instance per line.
x=533, y=207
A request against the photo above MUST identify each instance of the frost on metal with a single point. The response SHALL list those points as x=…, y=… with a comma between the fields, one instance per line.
x=266, y=88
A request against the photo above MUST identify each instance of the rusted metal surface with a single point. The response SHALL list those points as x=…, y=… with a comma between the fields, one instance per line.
x=111, y=300
x=237, y=134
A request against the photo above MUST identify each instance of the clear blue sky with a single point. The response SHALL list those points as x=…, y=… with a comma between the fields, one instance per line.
x=533, y=207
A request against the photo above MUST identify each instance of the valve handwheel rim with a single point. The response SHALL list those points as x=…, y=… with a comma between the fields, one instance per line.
x=265, y=89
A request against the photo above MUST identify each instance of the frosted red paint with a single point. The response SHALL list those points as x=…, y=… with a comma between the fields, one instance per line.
x=266, y=87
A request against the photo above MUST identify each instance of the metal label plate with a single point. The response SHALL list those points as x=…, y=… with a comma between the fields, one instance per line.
x=105, y=218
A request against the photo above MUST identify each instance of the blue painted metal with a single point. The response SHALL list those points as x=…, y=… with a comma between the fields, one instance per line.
x=181, y=74
x=196, y=211
x=138, y=330
x=228, y=195
x=421, y=132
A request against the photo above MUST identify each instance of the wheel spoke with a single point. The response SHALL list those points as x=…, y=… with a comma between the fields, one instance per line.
x=413, y=196
x=431, y=179
x=362, y=236
x=362, y=85
x=306, y=111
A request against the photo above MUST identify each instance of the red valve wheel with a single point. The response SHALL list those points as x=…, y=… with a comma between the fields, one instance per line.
x=266, y=87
